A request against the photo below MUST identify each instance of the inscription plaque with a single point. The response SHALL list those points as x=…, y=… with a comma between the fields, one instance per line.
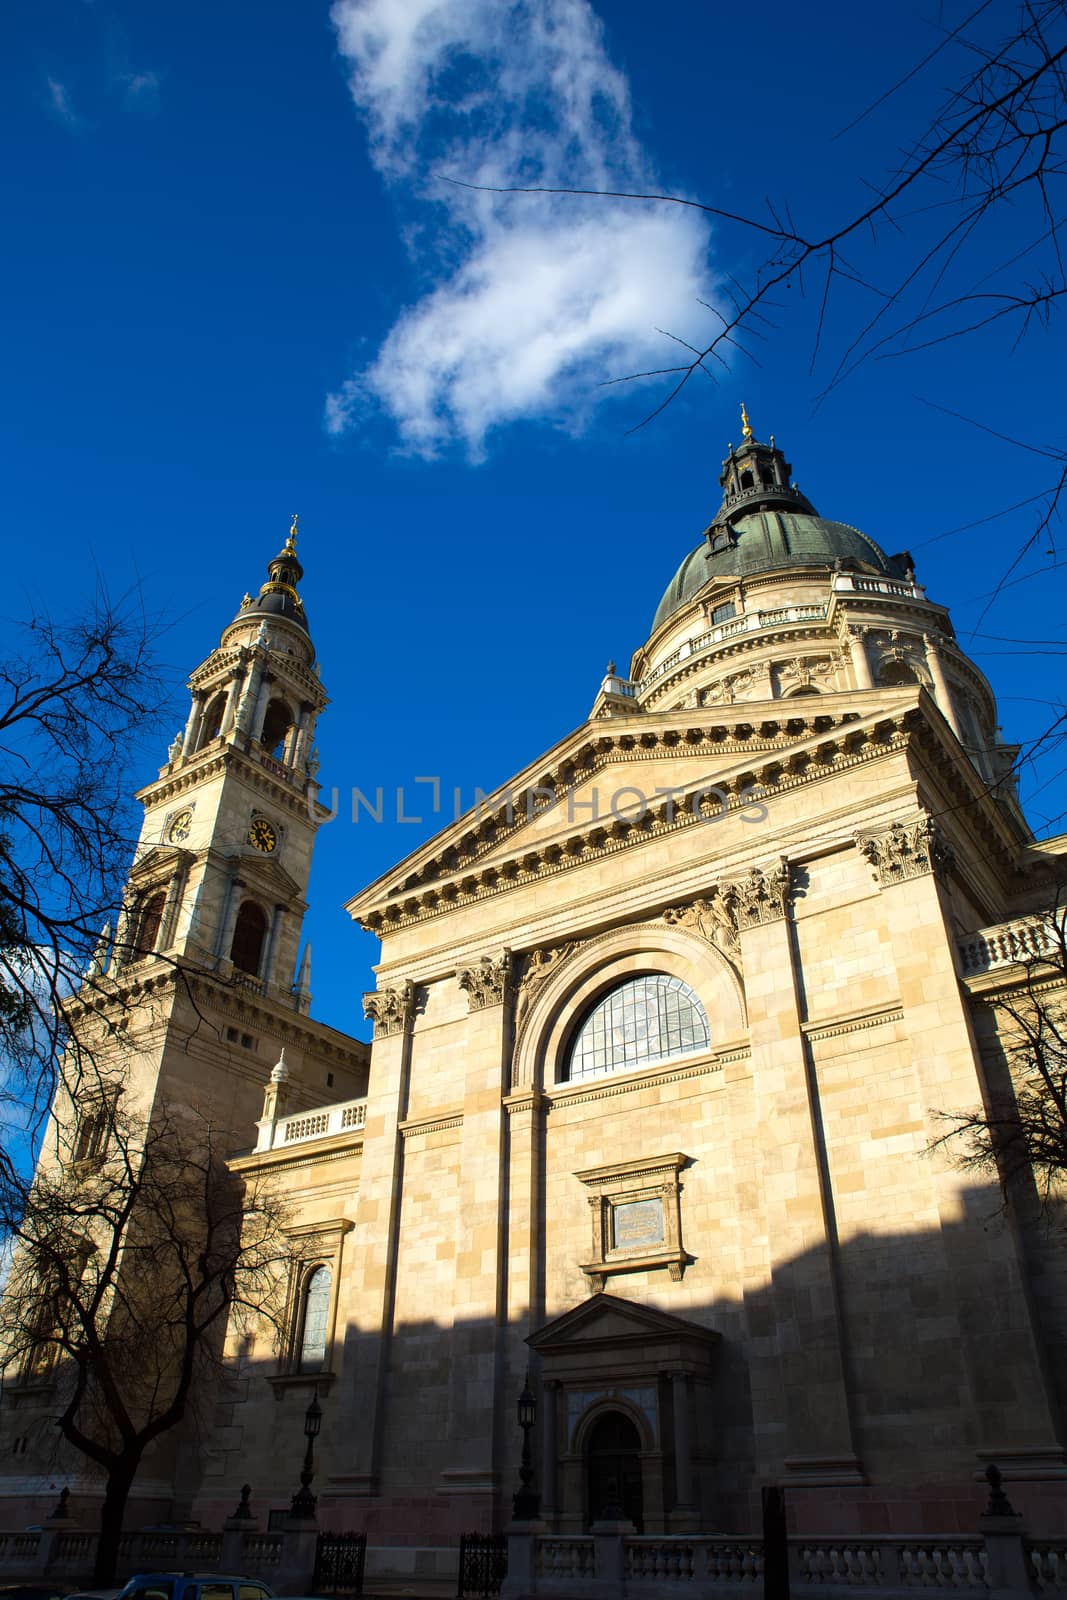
x=637, y=1222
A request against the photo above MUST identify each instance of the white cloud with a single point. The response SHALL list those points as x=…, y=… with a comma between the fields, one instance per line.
x=59, y=99
x=537, y=298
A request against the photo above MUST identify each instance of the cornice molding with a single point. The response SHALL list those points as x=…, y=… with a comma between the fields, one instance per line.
x=817, y=1031
x=423, y=1125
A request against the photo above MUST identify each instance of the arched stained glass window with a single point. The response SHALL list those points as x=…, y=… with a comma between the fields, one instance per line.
x=313, y=1329
x=644, y=1020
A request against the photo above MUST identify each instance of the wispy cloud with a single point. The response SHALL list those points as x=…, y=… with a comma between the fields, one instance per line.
x=532, y=299
x=60, y=102
x=140, y=88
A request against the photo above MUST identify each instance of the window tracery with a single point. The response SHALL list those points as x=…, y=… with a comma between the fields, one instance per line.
x=638, y=1023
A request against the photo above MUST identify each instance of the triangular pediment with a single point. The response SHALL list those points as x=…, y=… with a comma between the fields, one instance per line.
x=543, y=818
x=608, y=1319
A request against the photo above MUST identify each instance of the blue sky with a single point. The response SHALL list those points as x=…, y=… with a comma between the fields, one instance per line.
x=236, y=285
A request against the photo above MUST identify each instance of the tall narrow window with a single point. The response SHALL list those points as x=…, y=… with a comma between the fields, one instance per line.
x=246, y=952
x=212, y=723
x=150, y=916
x=312, y=1357
x=644, y=1020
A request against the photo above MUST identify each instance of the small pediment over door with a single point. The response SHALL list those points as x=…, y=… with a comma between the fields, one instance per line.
x=609, y=1335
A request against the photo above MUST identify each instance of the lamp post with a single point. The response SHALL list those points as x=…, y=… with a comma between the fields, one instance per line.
x=304, y=1501
x=526, y=1504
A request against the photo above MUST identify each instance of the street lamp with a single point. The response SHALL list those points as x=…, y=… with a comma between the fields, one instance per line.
x=526, y=1504
x=304, y=1501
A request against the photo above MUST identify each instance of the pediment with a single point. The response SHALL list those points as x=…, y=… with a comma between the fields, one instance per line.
x=510, y=837
x=266, y=874
x=158, y=861
x=609, y=1320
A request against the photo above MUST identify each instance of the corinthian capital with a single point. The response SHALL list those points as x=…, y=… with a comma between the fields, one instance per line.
x=906, y=850
x=391, y=1010
x=489, y=983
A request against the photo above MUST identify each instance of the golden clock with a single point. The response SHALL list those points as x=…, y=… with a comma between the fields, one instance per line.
x=262, y=835
x=180, y=827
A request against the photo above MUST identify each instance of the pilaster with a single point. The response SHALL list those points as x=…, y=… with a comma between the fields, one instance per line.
x=800, y=1389
x=480, y=1421
x=371, y=1272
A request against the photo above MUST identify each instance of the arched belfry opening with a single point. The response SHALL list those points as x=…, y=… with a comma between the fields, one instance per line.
x=211, y=726
x=613, y=1471
x=276, y=724
x=249, y=936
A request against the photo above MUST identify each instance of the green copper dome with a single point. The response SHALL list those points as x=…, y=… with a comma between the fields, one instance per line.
x=762, y=541
x=765, y=524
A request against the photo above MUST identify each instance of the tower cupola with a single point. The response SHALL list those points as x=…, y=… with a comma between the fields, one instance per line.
x=757, y=477
x=278, y=597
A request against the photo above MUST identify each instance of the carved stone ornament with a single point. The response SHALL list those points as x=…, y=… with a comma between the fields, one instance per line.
x=537, y=969
x=391, y=1010
x=489, y=983
x=806, y=672
x=714, y=918
x=906, y=850
x=759, y=897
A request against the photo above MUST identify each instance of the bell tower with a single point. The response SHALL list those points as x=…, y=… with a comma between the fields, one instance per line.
x=221, y=870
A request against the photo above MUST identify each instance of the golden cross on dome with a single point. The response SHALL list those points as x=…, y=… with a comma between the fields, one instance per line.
x=290, y=543
x=746, y=426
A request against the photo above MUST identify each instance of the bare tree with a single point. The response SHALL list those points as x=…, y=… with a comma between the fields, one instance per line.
x=75, y=700
x=129, y=1264
x=1020, y=1134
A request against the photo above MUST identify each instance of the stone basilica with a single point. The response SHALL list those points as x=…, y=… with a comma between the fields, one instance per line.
x=661, y=1034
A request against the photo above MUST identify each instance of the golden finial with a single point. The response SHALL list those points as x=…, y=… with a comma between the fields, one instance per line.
x=746, y=426
x=290, y=543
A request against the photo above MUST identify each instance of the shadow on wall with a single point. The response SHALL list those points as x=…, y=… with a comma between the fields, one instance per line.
x=874, y=1379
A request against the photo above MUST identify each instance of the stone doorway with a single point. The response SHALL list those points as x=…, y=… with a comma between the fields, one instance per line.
x=613, y=1471
x=627, y=1395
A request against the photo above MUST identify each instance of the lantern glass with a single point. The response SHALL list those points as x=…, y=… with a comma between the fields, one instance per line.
x=527, y=1407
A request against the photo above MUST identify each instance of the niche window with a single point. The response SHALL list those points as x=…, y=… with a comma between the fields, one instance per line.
x=249, y=934
x=315, y=1310
x=94, y=1125
x=149, y=918
x=642, y=1021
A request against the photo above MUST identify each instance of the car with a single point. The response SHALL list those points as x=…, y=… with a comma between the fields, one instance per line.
x=194, y=1586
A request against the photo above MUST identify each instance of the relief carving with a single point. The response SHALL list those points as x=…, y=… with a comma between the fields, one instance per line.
x=391, y=1010
x=489, y=983
x=715, y=919
x=906, y=850
x=537, y=969
x=806, y=672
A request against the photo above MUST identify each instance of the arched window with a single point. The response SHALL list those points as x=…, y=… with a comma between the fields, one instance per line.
x=644, y=1020
x=316, y=1306
x=807, y=688
x=246, y=952
x=276, y=725
x=149, y=917
x=211, y=726
x=896, y=674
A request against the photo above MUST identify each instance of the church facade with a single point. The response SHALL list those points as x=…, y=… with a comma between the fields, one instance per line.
x=663, y=1030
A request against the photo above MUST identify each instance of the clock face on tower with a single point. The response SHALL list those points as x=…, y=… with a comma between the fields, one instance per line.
x=262, y=835
x=179, y=828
